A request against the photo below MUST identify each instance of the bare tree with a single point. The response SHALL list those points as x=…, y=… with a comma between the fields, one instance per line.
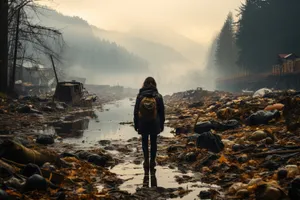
x=25, y=30
x=3, y=45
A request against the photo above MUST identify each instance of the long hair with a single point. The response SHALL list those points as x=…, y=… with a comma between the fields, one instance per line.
x=149, y=82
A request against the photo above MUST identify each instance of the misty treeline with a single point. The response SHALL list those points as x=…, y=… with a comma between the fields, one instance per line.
x=87, y=51
x=31, y=38
x=24, y=40
x=264, y=29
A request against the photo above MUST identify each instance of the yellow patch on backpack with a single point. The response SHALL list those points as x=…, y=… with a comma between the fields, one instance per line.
x=148, y=108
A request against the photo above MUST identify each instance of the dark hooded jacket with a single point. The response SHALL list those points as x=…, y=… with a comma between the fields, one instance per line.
x=156, y=126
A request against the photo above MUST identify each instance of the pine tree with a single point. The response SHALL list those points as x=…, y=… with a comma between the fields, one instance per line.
x=211, y=57
x=226, y=49
x=267, y=28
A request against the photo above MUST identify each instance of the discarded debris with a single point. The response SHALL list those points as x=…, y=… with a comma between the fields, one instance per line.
x=248, y=147
x=251, y=136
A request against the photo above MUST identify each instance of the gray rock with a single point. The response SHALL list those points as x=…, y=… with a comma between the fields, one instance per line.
x=97, y=160
x=45, y=139
x=31, y=169
x=258, y=136
x=83, y=154
x=282, y=174
x=205, y=195
x=191, y=157
x=243, y=158
x=35, y=182
x=104, y=142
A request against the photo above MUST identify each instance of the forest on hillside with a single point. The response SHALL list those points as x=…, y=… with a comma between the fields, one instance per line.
x=84, y=49
x=250, y=44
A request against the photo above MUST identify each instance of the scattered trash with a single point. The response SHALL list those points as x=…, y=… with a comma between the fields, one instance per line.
x=261, y=92
x=240, y=144
x=248, y=136
x=11, y=150
x=202, y=127
x=277, y=106
x=211, y=142
x=262, y=117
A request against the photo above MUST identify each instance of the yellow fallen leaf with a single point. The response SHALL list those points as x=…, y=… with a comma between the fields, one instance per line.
x=80, y=190
x=222, y=159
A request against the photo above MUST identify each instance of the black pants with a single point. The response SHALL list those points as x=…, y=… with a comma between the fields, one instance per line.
x=153, y=140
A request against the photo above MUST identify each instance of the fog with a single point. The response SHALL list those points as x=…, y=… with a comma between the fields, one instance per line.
x=122, y=42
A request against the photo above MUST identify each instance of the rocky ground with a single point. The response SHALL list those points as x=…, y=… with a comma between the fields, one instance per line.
x=258, y=154
x=240, y=146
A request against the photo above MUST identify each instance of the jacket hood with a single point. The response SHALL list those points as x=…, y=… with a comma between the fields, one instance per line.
x=148, y=92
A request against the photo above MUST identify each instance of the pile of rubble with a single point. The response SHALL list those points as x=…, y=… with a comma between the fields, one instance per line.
x=34, y=171
x=33, y=167
x=247, y=144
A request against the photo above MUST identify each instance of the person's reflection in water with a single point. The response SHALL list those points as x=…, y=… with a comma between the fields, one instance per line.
x=146, y=178
x=152, y=178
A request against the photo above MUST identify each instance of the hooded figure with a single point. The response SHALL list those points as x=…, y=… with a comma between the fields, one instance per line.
x=149, y=118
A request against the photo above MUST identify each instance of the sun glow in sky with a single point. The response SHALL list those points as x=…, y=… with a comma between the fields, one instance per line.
x=198, y=20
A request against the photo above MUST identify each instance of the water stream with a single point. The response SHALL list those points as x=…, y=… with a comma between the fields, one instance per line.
x=106, y=127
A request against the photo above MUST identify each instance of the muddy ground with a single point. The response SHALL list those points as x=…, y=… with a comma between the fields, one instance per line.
x=259, y=158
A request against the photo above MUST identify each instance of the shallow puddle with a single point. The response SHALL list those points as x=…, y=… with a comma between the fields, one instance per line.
x=106, y=126
x=163, y=176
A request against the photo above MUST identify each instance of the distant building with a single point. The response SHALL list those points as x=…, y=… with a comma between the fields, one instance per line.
x=286, y=63
x=34, y=74
x=34, y=77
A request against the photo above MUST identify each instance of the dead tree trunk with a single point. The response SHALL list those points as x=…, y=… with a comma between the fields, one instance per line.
x=13, y=75
x=3, y=46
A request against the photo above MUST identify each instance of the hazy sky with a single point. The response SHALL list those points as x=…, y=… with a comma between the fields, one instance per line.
x=199, y=20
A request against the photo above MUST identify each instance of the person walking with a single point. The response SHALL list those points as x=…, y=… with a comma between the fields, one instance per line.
x=149, y=118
